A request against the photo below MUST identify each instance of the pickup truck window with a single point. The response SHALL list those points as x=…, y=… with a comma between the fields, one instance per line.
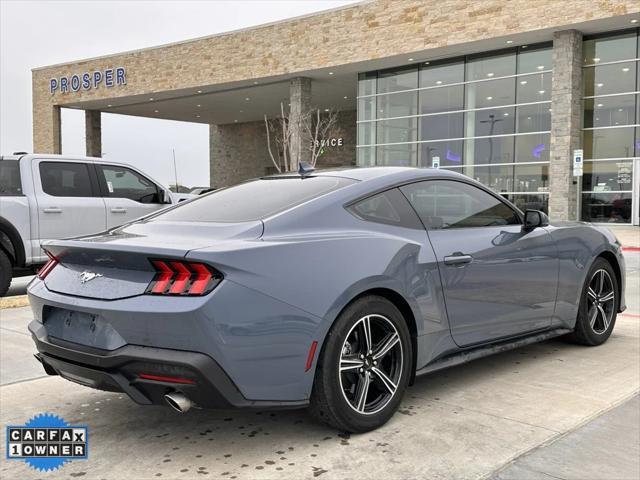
x=10, y=184
x=62, y=179
x=121, y=182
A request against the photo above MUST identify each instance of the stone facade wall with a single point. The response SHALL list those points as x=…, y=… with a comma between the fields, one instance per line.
x=358, y=33
x=566, y=124
x=345, y=155
x=238, y=151
x=93, y=133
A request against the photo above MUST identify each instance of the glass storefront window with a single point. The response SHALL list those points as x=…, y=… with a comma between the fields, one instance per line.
x=490, y=94
x=397, y=104
x=397, y=81
x=367, y=108
x=534, y=118
x=367, y=83
x=534, y=88
x=468, y=112
x=489, y=150
x=613, y=207
x=533, y=148
x=398, y=130
x=609, y=143
x=435, y=100
x=610, y=111
x=534, y=60
x=610, y=49
x=530, y=202
x=531, y=178
x=491, y=66
x=494, y=121
x=435, y=127
x=498, y=178
x=404, y=155
x=443, y=74
x=367, y=133
x=607, y=176
x=606, y=79
x=449, y=152
x=366, y=156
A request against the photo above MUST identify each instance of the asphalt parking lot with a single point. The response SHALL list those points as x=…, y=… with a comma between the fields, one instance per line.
x=551, y=410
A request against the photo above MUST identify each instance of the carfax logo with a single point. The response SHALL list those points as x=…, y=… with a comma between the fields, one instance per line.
x=46, y=442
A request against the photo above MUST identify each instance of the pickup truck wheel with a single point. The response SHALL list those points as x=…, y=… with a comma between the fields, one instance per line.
x=5, y=273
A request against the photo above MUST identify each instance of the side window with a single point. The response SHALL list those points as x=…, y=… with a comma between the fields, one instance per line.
x=62, y=179
x=10, y=184
x=388, y=207
x=449, y=204
x=122, y=182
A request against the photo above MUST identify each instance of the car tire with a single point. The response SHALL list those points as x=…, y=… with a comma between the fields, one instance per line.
x=5, y=273
x=350, y=391
x=599, y=304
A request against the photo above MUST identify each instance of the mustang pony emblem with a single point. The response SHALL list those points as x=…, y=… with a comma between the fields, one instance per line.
x=88, y=276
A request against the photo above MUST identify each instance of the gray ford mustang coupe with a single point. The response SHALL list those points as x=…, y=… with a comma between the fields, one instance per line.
x=329, y=289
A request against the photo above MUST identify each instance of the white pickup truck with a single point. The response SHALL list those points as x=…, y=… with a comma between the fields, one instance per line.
x=44, y=197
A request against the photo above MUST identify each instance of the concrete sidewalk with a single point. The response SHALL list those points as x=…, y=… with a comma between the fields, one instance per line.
x=628, y=235
x=607, y=447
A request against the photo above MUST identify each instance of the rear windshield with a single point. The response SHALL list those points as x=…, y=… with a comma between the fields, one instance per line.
x=10, y=184
x=254, y=200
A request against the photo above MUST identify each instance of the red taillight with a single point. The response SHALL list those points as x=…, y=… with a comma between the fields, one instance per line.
x=176, y=277
x=162, y=378
x=50, y=265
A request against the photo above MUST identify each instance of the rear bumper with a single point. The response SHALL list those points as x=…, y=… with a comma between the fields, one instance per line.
x=118, y=371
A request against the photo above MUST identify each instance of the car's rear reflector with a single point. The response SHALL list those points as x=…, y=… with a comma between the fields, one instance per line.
x=176, y=277
x=50, y=265
x=162, y=378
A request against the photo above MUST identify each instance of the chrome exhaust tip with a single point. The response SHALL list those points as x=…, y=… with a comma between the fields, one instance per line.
x=178, y=402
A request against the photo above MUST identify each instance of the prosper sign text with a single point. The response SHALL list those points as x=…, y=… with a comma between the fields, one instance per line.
x=108, y=78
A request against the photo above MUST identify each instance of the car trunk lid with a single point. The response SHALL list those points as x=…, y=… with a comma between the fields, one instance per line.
x=117, y=264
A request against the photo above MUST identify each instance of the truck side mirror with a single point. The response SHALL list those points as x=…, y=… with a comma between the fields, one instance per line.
x=166, y=197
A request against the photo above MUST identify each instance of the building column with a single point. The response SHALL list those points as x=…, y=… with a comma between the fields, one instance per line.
x=300, y=106
x=93, y=133
x=47, y=129
x=566, y=124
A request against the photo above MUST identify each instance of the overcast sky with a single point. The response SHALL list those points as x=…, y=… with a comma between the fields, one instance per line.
x=39, y=33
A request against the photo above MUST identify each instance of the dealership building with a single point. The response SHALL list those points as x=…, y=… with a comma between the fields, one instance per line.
x=538, y=100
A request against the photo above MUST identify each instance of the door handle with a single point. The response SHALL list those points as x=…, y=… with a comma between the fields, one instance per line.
x=458, y=259
x=52, y=210
x=118, y=210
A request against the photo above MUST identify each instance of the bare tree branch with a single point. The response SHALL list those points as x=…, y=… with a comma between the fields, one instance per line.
x=275, y=163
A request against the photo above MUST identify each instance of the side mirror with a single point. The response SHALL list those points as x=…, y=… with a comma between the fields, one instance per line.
x=534, y=219
x=166, y=197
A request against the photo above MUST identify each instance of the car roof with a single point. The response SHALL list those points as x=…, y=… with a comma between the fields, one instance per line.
x=396, y=174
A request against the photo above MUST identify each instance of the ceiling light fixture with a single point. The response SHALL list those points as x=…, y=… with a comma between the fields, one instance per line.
x=326, y=109
x=439, y=82
x=541, y=92
x=599, y=85
x=596, y=59
x=156, y=111
x=540, y=67
x=523, y=82
x=109, y=105
x=489, y=98
x=635, y=20
x=199, y=91
x=625, y=69
x=235, y=121
x=600, y=105
x=345, y=97
x=197, y=116
x=330, y=73
x=506, y=114
x=247, y=99
x=198, y=105
x=490, y=74
x=426, y=63
x=151, y=99
x=509, y=42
